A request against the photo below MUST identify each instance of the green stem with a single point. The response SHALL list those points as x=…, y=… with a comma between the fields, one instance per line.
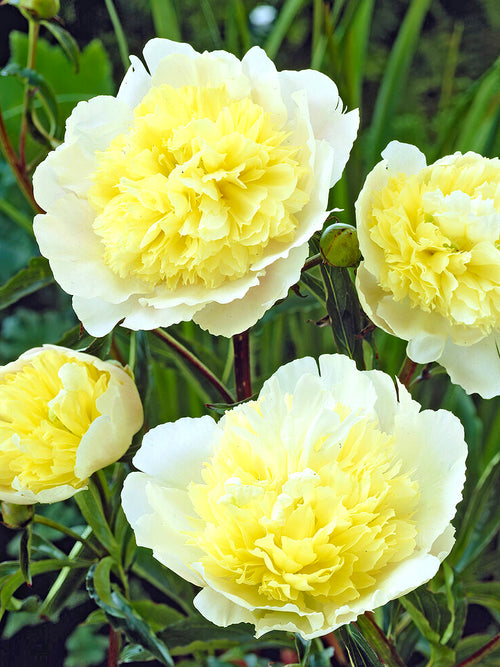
x=120, y=35
x=407, y=372
x=476, y=657
x=44, y=521
x=384, y=648
x=242, y=373
x=33, y=31
x=195, y=362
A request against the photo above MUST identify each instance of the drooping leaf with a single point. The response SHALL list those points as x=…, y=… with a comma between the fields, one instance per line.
x=66, y=42
x=120, y=612
x=31, y=279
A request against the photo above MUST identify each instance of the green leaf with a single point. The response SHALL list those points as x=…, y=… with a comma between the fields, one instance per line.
x=286, y=17
x=120, y=612
x=343, y=307
x=484, y=593
x=85, y=646
x=12, y=583
x=358, y=650
x=31, y=279
x=41, y=89
x=197, y=634
x=430, y=613
x=66, y=42
x=469, y=540
x=91, y=507
x=171, y=585
x=157, y=615
x=394, y=78
x=25, y=553
x=165, y=19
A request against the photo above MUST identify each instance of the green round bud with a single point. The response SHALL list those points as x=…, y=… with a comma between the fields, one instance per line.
x=40, y=9
x=16, y=516
x=339, y=245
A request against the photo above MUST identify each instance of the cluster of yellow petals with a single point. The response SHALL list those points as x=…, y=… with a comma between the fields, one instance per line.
x=196, y=189
x=309, y=531
x=45, y=409
x=439, y=231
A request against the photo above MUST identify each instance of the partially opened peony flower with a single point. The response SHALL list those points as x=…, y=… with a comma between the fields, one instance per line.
x=63, y=415
x=326, y=497
x=193, y=193
x=430, y=237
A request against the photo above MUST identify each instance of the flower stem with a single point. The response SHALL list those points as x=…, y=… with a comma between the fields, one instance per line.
x=114, y=647
x=242, y=374
x=33, y=31
x=384, y=648
x=19, y=172
x=476, y=657
x=312, y=262
x=407, y=372
x=195, y=362
x=43, y=521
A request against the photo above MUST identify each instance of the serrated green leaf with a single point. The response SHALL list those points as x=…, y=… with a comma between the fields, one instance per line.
x=66, y=42
x=31, y=279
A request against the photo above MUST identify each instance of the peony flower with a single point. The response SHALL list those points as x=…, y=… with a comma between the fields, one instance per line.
x=430, y=237
x=63, y=415
x=192, y=193
x=327, y=496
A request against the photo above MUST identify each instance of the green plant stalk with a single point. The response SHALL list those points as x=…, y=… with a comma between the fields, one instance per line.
x=33, y=32
x=119, y=33
x=195, y=362
x=385, y=650
x=44, y=521
x=242, y=373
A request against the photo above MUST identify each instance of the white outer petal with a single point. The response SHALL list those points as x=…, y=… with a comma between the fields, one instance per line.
x=476, y=368
x=174, y=453
x=136, y=83
x=163, y=532
x=240, y=314
x=403, y=158
x=325, y=110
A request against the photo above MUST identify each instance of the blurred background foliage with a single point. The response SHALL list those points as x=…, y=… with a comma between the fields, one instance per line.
x=420, y=71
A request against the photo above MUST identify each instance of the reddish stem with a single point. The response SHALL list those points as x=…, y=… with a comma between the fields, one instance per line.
x=242, y=374
x=479, y=655
x=195, y=362
x=114, y=647
x=407, y=372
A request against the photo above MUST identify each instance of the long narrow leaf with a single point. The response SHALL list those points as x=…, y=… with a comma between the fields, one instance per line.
x=395, y=77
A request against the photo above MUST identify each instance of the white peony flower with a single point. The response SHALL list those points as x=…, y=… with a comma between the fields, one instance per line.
x=63, y=415
x=192, y=193
x=326, y=497
x=430, y=238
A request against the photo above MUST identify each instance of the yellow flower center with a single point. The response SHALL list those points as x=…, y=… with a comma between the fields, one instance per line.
x=45, y=409
x=197, y=189
x=439, y=231
x=300, y=527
